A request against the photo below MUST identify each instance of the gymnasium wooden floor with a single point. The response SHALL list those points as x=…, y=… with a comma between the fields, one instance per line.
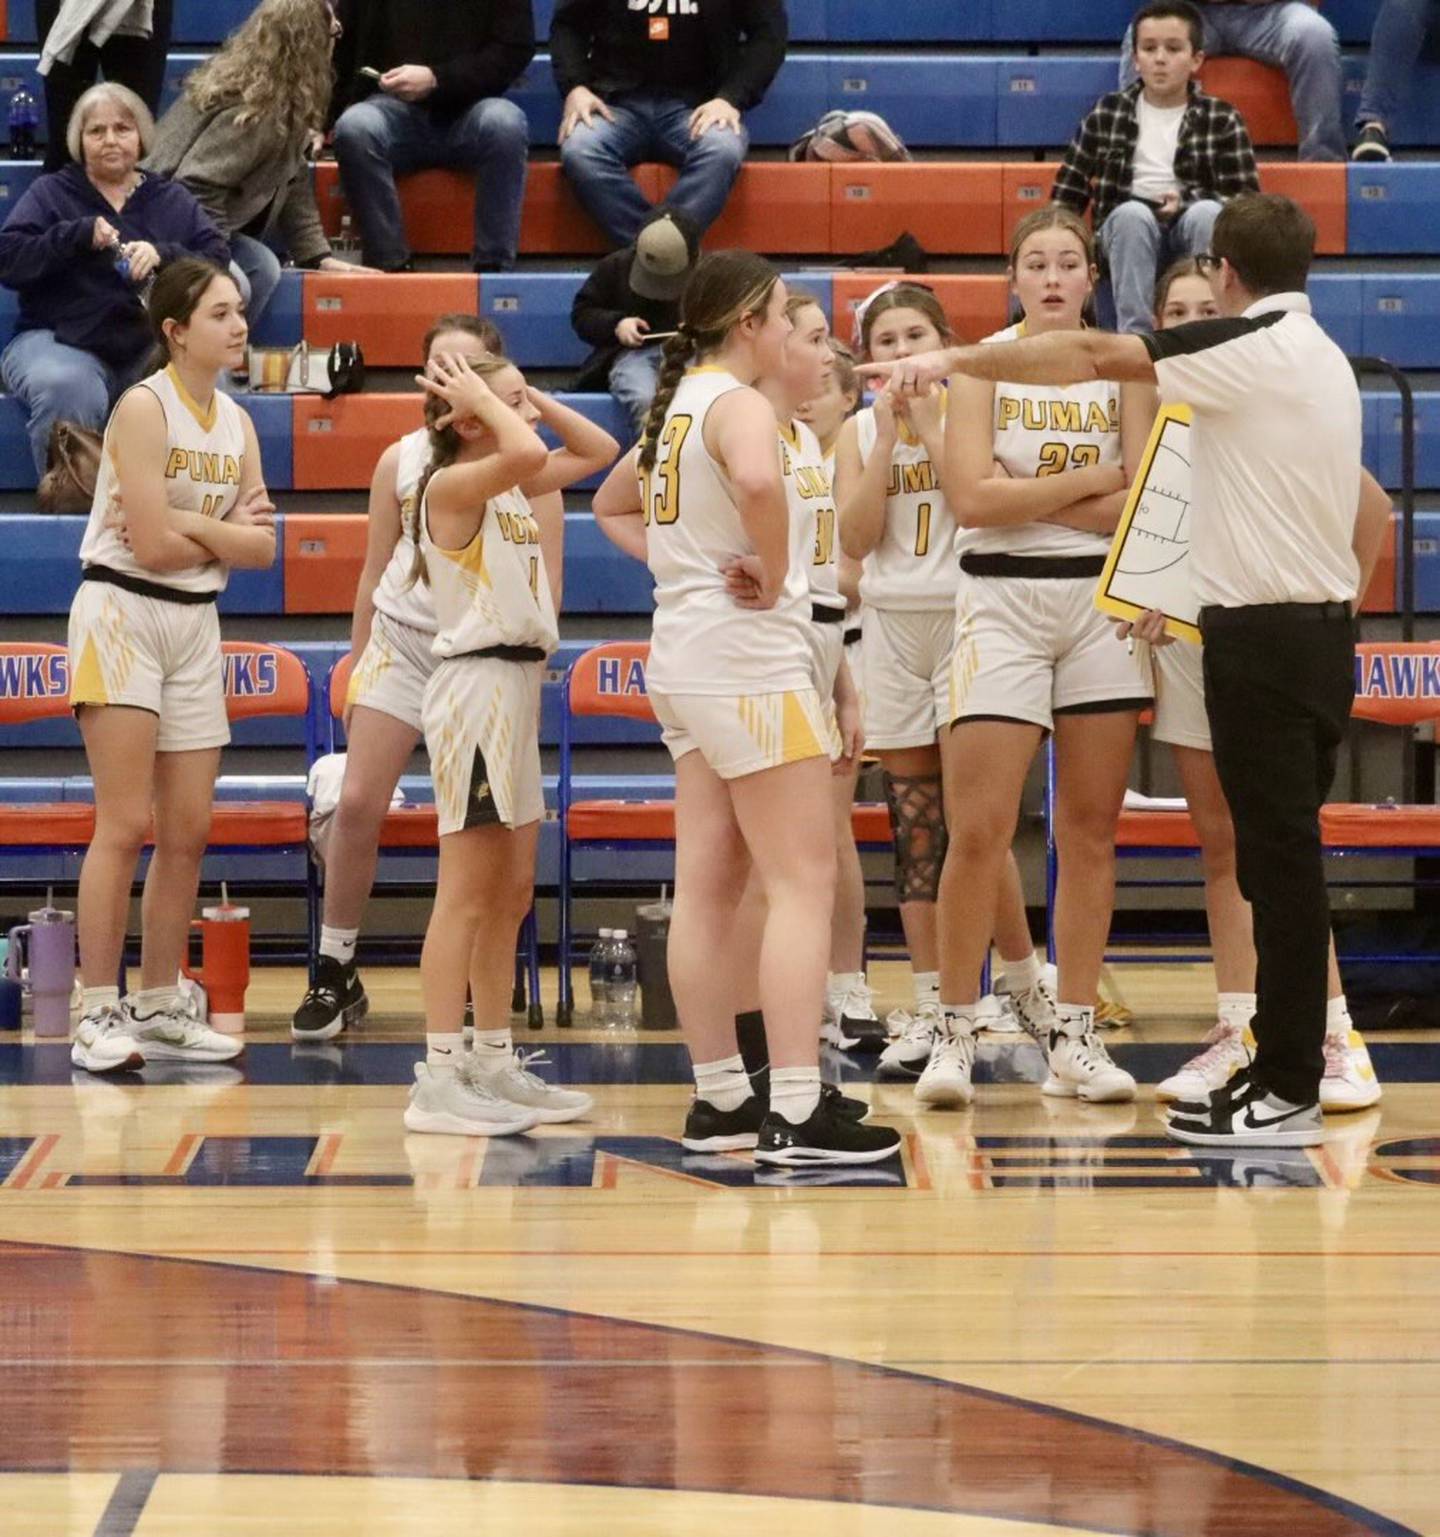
x=245, y=1304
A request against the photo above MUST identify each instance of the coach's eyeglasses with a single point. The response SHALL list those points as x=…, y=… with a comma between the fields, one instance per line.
x=1208, y=262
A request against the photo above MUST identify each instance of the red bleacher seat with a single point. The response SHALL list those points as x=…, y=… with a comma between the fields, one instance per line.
x=389, y=317
x=773, y=207
x=1322, y=190
x=324, y=552
x=950, y=207
x=1260, y=92
x=975, y=305
x=337, y=442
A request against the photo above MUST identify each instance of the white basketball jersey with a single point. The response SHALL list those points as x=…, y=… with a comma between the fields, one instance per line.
x=394, y=594
x=912, y=569
x=807, y=475
x=494, y=592
x=702, y=641
x=1042, y=429
x=204, y=462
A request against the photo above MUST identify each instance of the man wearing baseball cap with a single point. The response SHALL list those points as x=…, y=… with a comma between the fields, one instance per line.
x=629, y=303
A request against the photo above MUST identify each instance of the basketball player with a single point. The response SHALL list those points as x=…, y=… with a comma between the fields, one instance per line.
x=1036, y=476
x=179, y=501
x=895, y=517
x=478, y=550
x=1182, y=295
x=391, y=640
x=733, y=689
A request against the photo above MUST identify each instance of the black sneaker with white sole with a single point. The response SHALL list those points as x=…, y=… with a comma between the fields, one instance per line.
x=826, y=1138
x=336, y=999
x=845, y=1105
x=1243, y=1113
x=1373, y=145
x=711, y=1130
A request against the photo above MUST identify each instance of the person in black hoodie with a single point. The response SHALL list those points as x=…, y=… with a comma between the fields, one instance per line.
x=80, y=249
x=432, y=96
x=628, y=304
x=665, y=81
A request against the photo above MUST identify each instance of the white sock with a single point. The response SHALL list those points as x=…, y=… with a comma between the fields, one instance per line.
x=493, y=1045
x=154, y=1000
x=1075, y=1019
x=794, y=1092
x=838, y=983
x=961, y=1018
x=1020, y=976
x=724, y=1084
x=338, y=943
x=444, y=1049
x=1235, y=1008
x=927, y=987
x=1337, y=1017
x=97, y=998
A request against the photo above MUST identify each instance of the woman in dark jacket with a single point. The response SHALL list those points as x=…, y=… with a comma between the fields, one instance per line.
x=80, y=248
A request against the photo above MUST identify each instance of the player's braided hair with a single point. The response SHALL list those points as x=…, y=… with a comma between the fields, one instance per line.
x=724, y=288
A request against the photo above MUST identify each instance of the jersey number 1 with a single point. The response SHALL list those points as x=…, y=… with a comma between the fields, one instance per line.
x=922, y=529
x=662, y=485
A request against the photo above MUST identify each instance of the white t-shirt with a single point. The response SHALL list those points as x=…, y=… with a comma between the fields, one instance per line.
x=1153, y=171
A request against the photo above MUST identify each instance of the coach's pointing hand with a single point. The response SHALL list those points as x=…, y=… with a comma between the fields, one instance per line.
x=911, y=376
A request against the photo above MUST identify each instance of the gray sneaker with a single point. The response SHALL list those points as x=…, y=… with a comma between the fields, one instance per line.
x=512, y=1080
x=457, y=1101
x=103, y=1044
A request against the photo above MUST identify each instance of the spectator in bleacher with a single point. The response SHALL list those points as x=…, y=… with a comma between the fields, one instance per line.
x=1401, y=28
x=628, y=304
x=83, y=40
x=239, y=135
x=80, y=248
x=640, y=86
x=1157, y=159
x=423, y=85
x=1292, y=36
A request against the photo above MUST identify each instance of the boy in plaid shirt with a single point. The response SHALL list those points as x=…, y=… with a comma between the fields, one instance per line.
x=1157, y=159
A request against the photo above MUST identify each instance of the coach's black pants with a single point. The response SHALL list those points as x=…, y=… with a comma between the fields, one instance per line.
x=1279, y=684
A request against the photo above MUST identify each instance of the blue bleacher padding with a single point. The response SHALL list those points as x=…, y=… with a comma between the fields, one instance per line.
x=1354, y=20
x=274, y=418
x=915, y=21
x=40, y=574
x=1402, y=319
x=1386, y=465
x=598, y=578
x=17, y=468
x=15, y=179
x=20, y=19
x=798, y=97
x=1337, y=300
x=1063, y=21
x=1040, y=101
x=9, y=314
x=1394, y=209
x=928, y=99
x=1418, y=120
x=177, y=66
x=609, y=413
x=1427, y=562
x=281, y=324
x=208, y=21
x=258, y=592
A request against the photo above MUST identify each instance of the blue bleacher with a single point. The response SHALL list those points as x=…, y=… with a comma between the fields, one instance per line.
x=1402, y=318
x=1392, y=208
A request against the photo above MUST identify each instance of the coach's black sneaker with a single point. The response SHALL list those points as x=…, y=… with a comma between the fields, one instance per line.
x=1243, y=1113
x=336, y=999
x=709, y=1130
x=826, y=1138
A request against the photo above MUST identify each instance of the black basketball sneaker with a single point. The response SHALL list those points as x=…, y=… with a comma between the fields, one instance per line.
x=826, y=1138
x=336, y=998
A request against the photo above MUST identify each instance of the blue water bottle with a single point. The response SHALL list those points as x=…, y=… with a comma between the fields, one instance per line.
x=24, y=120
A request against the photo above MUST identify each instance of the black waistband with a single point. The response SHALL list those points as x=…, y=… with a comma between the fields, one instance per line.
x=1216, y=618
x=1037, y=567
x=138, y=584
x=852, y=636
x=504, y=654
x=822, y=613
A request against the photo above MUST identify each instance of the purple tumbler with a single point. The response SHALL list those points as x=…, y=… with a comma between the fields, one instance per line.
x=50, y=951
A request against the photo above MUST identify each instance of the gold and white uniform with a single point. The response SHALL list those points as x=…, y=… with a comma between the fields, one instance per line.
x=159, y=653
x=907, y=585
x=734, y=684
x=482, y=713
x=393, y=669
x=1029, y=641
x=1180, y=716
x=808, y=490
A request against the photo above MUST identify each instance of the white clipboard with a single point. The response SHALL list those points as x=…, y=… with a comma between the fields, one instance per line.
x=1149, y=562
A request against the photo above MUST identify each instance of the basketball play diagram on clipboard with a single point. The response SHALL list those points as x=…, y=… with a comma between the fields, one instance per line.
x=1149, y=562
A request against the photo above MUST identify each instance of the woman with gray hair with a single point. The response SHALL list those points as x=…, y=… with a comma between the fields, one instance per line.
x=79, y=248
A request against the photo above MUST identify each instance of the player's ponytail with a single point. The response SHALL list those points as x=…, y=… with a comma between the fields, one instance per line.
x=724, y=289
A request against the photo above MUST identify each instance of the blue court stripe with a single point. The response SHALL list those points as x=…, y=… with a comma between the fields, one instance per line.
x=127, y=1504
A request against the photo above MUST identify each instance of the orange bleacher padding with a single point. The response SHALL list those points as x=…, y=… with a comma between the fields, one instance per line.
x=45, y=824
x=388, y=316
x=1261, y=94
x=871, y=822
x=410, y=827
x=951, y=208
x=775, y=206
x=1382, y=595
x=975, y=305
x=233, y=824
x=323, y=556
x=616, y=821
x=1382, y=827
x=552, y=222
x=1026, y=186
x=1155, y=830
x=337, y=442
x=1322, y=191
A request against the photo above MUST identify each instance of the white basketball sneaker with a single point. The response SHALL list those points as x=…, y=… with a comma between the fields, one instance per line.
x=1226, y=1052
x=103, y=1044
x=457, y=1101
x=1034, y=1007
x=177, y=1034
x=945, y=1083
x=849, y=1021
x=911, y=1042
x=512, y=1080
x=1080, y=1067
x=1349, y=1082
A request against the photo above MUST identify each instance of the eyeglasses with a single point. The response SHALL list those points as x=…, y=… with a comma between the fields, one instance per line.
x=1208, y=262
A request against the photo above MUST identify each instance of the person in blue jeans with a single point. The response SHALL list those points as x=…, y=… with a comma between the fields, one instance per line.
x=1293, y=36
x=1400, y=32
x=422, y=85
x=665, y=86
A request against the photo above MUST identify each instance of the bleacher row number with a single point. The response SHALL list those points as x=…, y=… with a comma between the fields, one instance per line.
x=320, y=424
x=1391, y=306
x=328, y=305
x=1022, y=85
x=855, y=85
x=1374, y=192
x=506, y=304
x=856, y=192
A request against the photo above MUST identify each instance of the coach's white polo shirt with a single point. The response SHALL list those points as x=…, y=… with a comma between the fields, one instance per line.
x=1275, y=450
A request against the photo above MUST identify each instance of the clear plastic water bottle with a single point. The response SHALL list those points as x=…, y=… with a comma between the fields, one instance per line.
x=620, y=978
x=599, y=960
x=24, y=120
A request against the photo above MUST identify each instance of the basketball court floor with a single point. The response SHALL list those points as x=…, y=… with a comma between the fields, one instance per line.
x=245, y=1303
